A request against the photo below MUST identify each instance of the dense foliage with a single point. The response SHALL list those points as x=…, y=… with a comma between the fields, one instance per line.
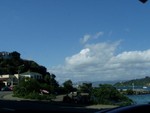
x=107, y=94
x=13, y=63
x=137, y=82
x=31, y=88
x=86, y=88
x=68, y=86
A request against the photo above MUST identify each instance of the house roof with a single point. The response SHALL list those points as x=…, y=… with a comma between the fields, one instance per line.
x=29, y=73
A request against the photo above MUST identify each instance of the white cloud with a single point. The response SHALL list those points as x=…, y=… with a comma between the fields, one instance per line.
x=99, y=62
x=97, y=35
x=87, y=37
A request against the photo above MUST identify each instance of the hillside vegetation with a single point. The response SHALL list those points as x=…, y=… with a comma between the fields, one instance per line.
x=13, y=63
x=137, y=82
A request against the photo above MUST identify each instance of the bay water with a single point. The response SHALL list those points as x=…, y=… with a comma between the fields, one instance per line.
x=140, y=99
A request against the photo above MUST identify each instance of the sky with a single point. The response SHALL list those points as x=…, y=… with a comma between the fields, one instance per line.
x=80, y=40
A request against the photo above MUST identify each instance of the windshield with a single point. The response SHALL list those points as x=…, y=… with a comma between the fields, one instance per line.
x=88, y=54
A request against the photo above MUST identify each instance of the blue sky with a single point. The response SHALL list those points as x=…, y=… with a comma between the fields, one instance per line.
x=81, y=40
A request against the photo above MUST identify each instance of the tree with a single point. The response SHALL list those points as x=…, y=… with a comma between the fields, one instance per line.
x=15, y=55
x=32, y=88
x=86, y=87
x=107, y=94
x=12, y=63
x=68, y=86
x=27, y=86
x=50, y=80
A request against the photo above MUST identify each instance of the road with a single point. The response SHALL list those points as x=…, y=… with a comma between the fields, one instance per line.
x=39, y=106
x=3, y=93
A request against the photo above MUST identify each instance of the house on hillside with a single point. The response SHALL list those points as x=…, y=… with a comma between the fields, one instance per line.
x=29, y=74
x=8, y=79
x=5, y=55
x=11, y=80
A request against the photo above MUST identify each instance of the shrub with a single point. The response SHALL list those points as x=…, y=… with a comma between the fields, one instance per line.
x=107, y=94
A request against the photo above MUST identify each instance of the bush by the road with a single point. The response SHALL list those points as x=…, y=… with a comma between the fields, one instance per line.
x=30, y=89
x=107, y=94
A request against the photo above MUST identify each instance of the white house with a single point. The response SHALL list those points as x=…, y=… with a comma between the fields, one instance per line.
x=9, y=79
x=29, y=74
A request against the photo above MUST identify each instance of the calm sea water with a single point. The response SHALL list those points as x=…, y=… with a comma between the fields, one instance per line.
x=140, y=99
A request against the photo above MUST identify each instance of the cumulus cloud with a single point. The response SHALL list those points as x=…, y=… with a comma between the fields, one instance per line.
x=100, y=62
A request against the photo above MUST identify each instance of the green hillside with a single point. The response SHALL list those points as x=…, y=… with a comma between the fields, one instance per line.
x=12, y=63
x=137, y=82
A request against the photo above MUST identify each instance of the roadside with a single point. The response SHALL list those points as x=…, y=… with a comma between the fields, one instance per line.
x=59, y=98
x=99, y=106
x=9, y=96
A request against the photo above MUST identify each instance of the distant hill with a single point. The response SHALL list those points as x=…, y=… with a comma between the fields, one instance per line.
x=12, y=63
x=96, y=83
x=137, y=82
